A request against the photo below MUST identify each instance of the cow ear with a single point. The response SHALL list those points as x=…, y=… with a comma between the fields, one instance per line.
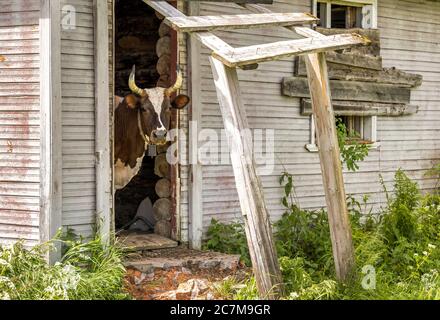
x=180, y=102
x=131, y=101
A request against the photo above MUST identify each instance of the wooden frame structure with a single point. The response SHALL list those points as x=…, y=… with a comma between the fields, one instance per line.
x=224, y=61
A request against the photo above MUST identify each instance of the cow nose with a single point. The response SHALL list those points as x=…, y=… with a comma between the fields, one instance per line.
x=160, y=134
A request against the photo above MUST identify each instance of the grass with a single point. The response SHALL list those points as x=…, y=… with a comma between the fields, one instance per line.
x=397, y=251
x=87, y=271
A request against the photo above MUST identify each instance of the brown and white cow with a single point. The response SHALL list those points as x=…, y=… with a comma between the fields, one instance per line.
x=141, y=119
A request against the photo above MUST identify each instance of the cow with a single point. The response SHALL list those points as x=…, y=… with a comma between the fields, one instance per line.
x=142, y=118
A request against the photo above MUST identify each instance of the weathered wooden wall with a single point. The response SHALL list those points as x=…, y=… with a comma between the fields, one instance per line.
x=19, y=121
x=409, y=35
x=78, y=114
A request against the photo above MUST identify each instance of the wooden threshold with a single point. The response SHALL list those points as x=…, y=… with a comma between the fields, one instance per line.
x=282, y=49
x=136, y=241
x=239, y=21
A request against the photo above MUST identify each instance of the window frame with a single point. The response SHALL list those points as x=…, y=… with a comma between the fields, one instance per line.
x=369, y=122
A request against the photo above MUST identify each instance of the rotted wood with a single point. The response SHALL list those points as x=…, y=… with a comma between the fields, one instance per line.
x=239, y=21
x=355, y=60
x=372, y=34
x=331, y=167
x=387, y=75
x=350, y=90
x=163, y=228
x=354, y=108
x=250, y=193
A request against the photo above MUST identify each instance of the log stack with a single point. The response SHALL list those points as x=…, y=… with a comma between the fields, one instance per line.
x=163, y=51
x=163, y=206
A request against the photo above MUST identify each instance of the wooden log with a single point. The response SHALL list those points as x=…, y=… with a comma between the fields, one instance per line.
x=350, y=90
x=354, y=108
x=163, y=228
x=161, y=166
x=349, y=73
x=163, y=65
x=283, y=49
x=162, y=209
x=331, y=166
x=239, y=21
x=164, y=30
x=163, y=188
x=257, y=222
x=163, y=46
x=163, y=82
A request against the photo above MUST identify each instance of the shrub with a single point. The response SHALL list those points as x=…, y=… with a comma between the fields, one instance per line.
x=87, y=271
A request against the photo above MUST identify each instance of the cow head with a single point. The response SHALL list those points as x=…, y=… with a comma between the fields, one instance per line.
x=155, y=107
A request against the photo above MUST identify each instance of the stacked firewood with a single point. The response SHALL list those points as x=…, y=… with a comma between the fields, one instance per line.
x=162, y=207
x=163, y=51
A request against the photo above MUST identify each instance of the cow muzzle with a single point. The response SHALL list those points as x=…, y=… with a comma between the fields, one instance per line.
x=158, y=137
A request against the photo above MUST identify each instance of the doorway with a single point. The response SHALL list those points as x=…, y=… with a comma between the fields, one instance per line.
x=142, y=39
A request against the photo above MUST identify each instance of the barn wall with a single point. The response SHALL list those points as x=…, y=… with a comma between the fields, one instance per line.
x=19, y=121
x=408, y=142
x=78, y=119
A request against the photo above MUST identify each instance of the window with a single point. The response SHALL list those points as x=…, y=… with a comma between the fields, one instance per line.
x=346, y=15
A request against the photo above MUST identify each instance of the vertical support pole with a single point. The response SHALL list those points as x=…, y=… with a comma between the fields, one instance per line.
x=102, y=121
x=51, y=114
x=257, y=223
x=331, y=167
x=195, y=112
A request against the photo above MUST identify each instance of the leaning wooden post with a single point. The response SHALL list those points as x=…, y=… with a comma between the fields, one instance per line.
x=257, y=223
x=331, y=167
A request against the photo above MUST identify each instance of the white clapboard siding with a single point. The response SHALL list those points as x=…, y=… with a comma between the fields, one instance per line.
x=78, y=120
x=410, y=36
x=19, y=121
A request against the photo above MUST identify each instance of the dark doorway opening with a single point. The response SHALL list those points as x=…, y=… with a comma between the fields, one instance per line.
x=138, y=30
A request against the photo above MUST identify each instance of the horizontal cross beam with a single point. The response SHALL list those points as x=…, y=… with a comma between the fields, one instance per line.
x=239, y=21
x=283, y=49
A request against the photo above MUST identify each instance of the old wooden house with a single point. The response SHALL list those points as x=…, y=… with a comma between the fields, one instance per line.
x=63, y=62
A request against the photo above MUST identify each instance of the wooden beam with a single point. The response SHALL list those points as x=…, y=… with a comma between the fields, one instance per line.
x=386, y=76
x=331, y=166
x=250, y=192
x=208, y=39
x=303, y=31
x=350, y=90
x=239, y=21
x=355, y=60
x=51, y=122
x=282, y=49
x=354, y=108
x=102, y=123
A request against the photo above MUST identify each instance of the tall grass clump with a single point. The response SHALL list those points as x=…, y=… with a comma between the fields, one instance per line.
x=397, y=250
x=87, y=271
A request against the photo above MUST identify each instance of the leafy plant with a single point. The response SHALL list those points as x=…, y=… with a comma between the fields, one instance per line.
x=352, y=151
x=228, y=238
x=87, y=271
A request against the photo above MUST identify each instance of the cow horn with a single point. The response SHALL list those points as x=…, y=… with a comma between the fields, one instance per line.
x=132, y=83
x=177, y=85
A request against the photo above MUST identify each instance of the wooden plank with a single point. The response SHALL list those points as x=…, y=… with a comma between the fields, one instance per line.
x=350, y=90
x=283, y=49
x=387, y=75
x=250, y=193
x=239, y=21
x=355, y=60
x=208, y=39
x=102, y=122
x=134, y=241
x=354, y=108
x=303, y=31
x=330, y=159
x=51, y=116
